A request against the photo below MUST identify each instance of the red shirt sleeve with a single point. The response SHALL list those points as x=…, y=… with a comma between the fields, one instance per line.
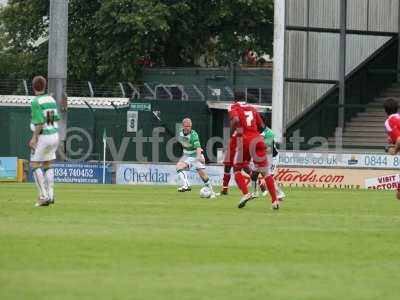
x=393, y=129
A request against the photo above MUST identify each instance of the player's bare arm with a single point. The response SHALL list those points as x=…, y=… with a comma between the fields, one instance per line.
x=199, y=154
x=235, y=122
x=35, y=136
x=395, y=149
x=235, y=125
x=260, y=122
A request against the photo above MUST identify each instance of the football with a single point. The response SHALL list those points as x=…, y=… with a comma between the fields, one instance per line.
x=205, y=192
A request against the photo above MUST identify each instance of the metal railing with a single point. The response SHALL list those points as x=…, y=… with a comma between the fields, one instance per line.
x=148, y=90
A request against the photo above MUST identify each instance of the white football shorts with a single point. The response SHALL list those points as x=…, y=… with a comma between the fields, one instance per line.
x=46, y=148
x=192, y=162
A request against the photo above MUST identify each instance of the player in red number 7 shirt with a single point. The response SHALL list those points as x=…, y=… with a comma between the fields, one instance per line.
x=250, y=146
x=392, y=126
x=230, y=156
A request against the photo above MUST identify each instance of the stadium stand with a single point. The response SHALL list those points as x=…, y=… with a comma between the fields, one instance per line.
x=312, y=60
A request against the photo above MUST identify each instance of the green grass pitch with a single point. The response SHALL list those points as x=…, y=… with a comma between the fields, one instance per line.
x=136, y=242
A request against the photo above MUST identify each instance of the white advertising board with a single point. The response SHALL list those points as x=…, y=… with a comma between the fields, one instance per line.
x=387, y=182
x=338, y=160
x=339, y=178
x=162, y=174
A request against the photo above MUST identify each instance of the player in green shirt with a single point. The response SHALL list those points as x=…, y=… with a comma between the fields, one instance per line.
x=44, y=141
x=192, y=157
x=272, y=153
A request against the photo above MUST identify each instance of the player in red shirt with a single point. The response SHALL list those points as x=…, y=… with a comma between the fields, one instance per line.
x=247, y=122
x=392, y=125
x=230, y=155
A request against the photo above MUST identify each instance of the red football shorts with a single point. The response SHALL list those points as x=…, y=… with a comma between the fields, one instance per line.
x=250, y=147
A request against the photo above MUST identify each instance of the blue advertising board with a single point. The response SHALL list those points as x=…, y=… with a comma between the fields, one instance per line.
x=8, y=168
x=71, y=172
